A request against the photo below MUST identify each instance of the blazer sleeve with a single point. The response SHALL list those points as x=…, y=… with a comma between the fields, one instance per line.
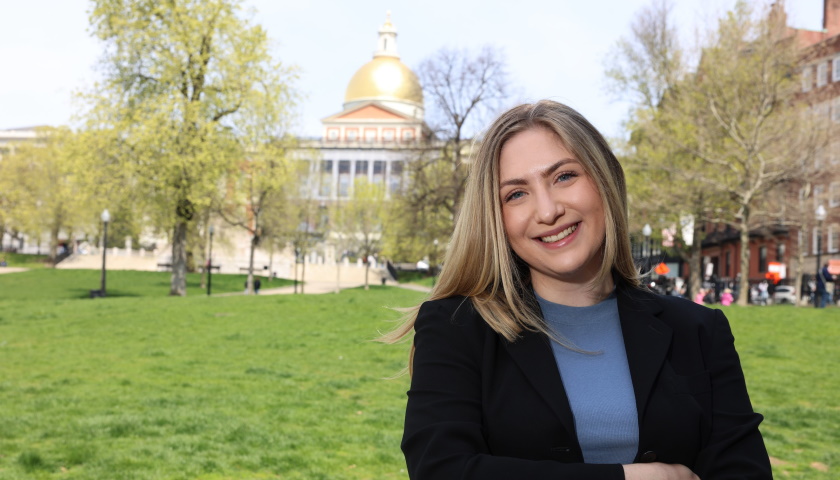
x=443, y=436
x=735, y=449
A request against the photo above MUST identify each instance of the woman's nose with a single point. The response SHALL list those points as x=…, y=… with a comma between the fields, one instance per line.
x=548, y=208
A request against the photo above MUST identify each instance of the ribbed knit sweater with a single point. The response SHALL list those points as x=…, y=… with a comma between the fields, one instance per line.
x=598, y=384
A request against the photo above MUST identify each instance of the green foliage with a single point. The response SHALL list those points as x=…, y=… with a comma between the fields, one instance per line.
x=189, y=87
x=358, y=222
x=45, y=187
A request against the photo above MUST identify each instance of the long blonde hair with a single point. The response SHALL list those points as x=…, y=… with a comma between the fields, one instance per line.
x=479, y=263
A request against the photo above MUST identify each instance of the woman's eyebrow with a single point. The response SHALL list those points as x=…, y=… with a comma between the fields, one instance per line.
x=545, y=173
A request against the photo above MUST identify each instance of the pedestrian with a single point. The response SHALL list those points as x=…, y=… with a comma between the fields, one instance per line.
x=824, y=290
x=538, y=355
x=763, y=294
x=726, y=297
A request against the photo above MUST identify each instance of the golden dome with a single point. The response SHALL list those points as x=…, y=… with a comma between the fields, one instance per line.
x=384, y=78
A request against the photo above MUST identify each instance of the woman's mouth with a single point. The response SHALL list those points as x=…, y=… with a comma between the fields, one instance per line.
x=560, y=236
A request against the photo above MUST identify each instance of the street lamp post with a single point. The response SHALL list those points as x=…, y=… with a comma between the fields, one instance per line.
x=210, y=262
x=820, y=215
x=646, y=231
x=106, y=217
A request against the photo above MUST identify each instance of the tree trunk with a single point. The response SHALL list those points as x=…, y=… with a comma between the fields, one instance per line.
x=249, y=287
x=207, y=266
x=302, y=273
x=695, y=262
x=367, y=269
x=178, y=284
x=744, y=286
x=338, y=275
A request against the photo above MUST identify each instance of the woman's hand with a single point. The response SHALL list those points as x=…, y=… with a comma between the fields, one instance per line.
x=658, y=471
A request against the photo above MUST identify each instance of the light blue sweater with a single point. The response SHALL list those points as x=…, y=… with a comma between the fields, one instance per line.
x=598, y=384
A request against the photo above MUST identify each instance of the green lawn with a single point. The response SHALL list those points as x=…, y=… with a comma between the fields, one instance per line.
x=25, y=261
x=144, y=386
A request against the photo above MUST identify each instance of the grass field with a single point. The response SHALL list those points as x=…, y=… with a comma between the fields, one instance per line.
x=144, y=386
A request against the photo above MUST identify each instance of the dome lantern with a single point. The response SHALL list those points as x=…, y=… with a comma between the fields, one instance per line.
x=386, y=79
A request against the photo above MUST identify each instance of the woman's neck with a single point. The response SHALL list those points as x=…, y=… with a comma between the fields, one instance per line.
x=573, y=294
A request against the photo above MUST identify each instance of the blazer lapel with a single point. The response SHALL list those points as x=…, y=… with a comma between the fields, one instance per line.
x=646, y=341
x=532, y=353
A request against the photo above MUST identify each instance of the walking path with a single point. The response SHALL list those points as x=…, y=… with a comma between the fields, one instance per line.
x=12, y=269
x=311, y=287
x=315, y=288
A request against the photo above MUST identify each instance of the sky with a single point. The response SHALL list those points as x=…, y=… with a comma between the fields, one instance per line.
x=557, y=49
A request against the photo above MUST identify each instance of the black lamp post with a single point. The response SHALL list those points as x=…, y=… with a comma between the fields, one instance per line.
x=106, y=217
x=820, y=215
x=210, y=262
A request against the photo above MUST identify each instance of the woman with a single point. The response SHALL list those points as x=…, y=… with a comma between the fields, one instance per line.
x=538, y=356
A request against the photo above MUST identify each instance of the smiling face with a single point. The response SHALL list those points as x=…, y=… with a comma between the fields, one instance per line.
x=552, y=212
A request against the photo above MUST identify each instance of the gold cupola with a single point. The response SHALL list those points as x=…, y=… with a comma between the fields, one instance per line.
x=386, y=79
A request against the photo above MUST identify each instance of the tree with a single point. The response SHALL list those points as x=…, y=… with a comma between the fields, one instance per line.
x=731, y=128
x=45, y=187
x=263, y=179
x=177, y=74
x=463, y=89
x=360, y=220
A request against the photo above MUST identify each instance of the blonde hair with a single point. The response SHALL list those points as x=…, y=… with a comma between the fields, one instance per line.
x=479, y=263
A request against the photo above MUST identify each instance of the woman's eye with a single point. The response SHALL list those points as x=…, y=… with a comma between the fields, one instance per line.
x=514, y=196
x=566, y=176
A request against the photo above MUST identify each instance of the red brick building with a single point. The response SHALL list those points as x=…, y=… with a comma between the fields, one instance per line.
x=820, y=89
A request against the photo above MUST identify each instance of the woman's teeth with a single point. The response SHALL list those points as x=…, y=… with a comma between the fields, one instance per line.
x=565, y=233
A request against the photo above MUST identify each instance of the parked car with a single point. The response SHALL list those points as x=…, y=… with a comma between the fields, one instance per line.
x=784, y=294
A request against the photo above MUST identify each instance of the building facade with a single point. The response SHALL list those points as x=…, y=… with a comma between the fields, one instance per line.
x=381, y=125
x=774, y=251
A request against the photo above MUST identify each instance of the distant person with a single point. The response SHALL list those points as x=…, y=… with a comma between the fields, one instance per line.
x=699, y=297
x=763, y=293
x=3, y=262
x=726, y=297
x=539, y=355
x=257, y=285
x=824, y=291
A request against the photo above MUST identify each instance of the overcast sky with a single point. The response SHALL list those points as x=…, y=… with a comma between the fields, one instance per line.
x=554, y=48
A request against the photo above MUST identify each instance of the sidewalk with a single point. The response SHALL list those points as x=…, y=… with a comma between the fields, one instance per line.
x=317, y=288
x=12, y=269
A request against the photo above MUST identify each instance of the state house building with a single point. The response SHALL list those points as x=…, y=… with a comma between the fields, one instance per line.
x=379, y=127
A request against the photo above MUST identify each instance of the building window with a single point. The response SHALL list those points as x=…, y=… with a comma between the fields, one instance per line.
x=352, y=134
x=332, y=134
x=834, y=238
x=835, y=74
x=822, y=74
x=362, y=168
x=378, y=171
x=370, y=135
x=834, y=194
x=835, y=109
x=762, y=259
x=388, y=134
x=326, y=178
x=818, y=196
x=807, y=78
x=344, y=178
x=780, y=253
x=408, y=135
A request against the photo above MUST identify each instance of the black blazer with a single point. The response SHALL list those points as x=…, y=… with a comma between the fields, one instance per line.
x=481, y=407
